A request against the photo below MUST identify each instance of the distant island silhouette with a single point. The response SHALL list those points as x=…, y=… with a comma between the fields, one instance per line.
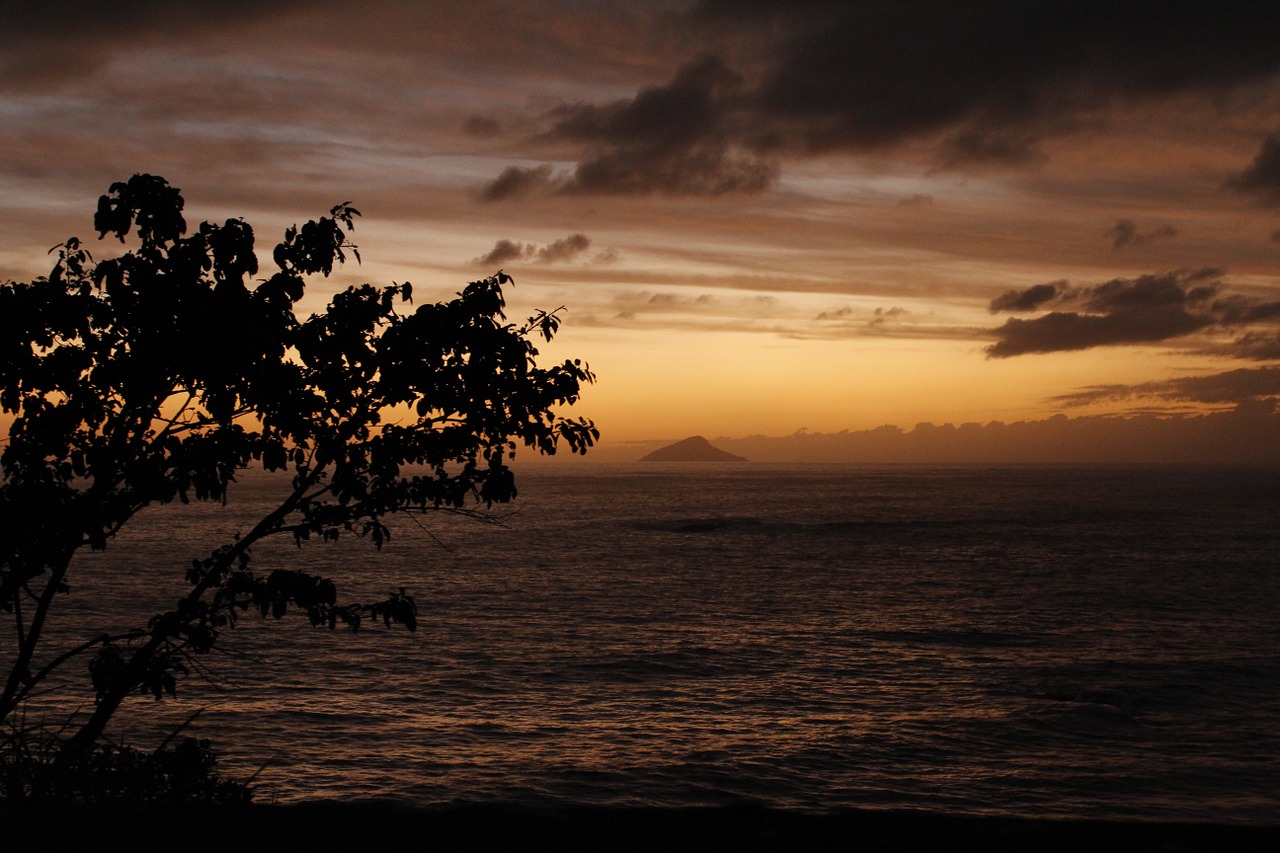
x=695, y=448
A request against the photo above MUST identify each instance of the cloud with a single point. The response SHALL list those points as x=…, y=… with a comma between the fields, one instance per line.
x=1146, y=309
x=679, y=309
x=674, y=140
x=847, y=322
x=985, y=83
x=1027, y=300
x=564, y=250
x=502, y=251
x=706, y=170
x=1137, y=310
x=1063, y=331
x=645, y=300
x=481, y=126
x=1255, y=346
x=992, y=146
x=515, y=182
x=878, y=317
x=995, y=74
x=1262, y=175
x=671, y=139
x=684, y=111
x=1248, y=434
x=1237, y=310
x=91, y=19
x=1151, y=292
x=50, y=43
x=1125, y=233
x=1232, y=386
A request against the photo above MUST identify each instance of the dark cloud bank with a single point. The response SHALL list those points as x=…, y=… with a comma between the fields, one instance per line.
x=1262, y=177
x=1250, y=434
x=984, y=82
x=49, y=44
x=1147, y=309
x=677, y=139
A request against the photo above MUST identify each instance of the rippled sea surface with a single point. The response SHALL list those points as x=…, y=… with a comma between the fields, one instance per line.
x=1080, y=642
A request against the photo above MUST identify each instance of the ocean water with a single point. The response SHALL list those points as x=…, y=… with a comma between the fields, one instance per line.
x=1033, y=641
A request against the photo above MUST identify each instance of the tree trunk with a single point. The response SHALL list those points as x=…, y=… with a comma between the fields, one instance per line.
x=109, y=702
x=20, y=672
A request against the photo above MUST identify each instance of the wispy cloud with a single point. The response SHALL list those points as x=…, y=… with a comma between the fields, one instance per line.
x=845, y=321
x=1232, y=386
x=1126, y=233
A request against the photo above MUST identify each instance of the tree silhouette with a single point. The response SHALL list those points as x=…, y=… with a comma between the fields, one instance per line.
x=157, y=375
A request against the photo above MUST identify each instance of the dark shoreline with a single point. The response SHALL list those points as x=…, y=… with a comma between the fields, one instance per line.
x=361, y=825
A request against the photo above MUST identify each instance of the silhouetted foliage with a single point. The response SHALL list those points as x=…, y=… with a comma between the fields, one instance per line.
x=157, y=375
x=37, y=765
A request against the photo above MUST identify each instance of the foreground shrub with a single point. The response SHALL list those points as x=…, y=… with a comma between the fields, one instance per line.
x=38, y=765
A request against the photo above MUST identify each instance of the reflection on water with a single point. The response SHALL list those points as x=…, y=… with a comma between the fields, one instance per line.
x=1061, y=641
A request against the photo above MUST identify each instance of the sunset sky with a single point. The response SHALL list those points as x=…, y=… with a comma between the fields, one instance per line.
x=761, y=216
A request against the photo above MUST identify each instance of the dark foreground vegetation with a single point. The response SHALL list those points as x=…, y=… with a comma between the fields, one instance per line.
x=375, y=826
x=153, y=378
x=38, y=766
